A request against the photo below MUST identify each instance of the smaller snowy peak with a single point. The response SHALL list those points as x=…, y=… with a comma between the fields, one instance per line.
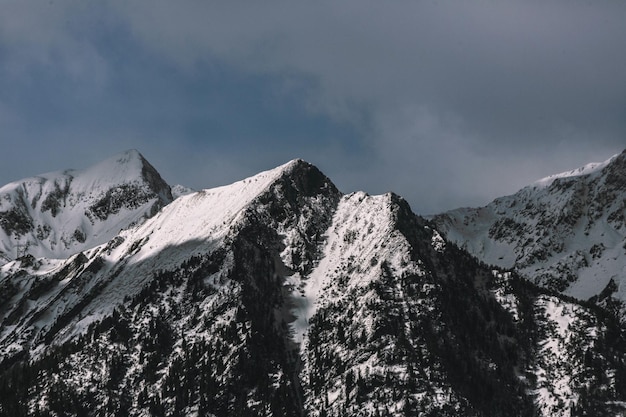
x=57, y=214
x=589, y=169
x=127, y=167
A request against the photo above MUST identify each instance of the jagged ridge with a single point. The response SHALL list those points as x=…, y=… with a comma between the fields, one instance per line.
x=278, y=295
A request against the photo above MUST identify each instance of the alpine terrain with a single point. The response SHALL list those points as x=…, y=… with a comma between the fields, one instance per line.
x=280, y=296
x=565, y=232
x=59, y=214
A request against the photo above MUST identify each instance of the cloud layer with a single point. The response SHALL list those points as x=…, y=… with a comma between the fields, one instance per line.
x=446, y=103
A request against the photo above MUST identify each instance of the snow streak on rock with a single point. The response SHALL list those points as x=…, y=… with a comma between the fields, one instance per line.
x=360, y=239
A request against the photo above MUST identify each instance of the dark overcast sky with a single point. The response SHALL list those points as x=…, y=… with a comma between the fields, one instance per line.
x=447, y=103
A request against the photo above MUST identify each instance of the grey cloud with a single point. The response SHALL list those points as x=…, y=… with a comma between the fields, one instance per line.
x=509, y=71
x=460, y=101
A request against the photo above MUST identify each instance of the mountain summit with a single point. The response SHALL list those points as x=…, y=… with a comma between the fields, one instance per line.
x=278, y=295
x=58, y=214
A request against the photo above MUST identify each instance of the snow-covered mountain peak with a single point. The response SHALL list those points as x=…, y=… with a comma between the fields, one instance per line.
x=264, y=178
x=126, y=167
x=273, y=174
x=57, y=214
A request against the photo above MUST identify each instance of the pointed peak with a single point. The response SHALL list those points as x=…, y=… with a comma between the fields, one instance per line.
x=292, y=165
x=124, y=167
x=307, y=177
x=127, y=164
x=292, y=181
x=131, y=157
x=289, y=168
x=128, y=167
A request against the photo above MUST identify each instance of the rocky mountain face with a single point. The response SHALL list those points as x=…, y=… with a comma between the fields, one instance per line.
x=566, y=233
x=280, y=296
x=58, y=214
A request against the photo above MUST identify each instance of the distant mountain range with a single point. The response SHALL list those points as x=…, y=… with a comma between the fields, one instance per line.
x=280, y=296
x=565, y=232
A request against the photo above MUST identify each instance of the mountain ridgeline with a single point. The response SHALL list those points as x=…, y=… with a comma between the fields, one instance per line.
x=280, y=296
x=566, y=232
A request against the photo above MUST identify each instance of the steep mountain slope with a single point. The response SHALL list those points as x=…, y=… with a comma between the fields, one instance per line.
x=566, y=232
x=205, y=271
x=407, y=324
x=94, y=282
x=59, y=214
x=277, y=295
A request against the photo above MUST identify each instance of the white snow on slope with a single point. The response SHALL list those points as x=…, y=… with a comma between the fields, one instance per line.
x=205, y=216
x=60, y=206
x=556, y=366
x=191, y=225
x=362, y=235
x=568, y=236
